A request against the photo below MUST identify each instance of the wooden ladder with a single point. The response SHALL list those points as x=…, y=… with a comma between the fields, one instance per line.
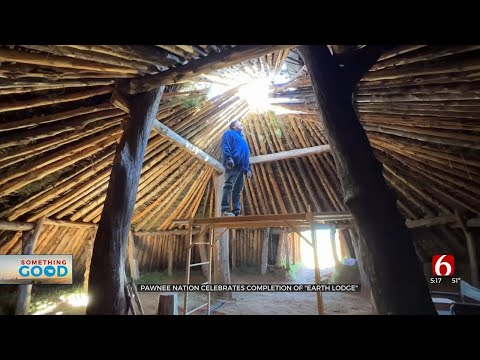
x=191, y=244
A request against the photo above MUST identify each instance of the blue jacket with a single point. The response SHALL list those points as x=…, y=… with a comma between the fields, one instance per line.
x=235, y=147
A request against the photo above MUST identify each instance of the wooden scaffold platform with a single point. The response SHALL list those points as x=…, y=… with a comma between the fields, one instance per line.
x=296, y=222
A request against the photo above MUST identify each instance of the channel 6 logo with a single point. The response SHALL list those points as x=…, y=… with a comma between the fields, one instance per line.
x=443, y=265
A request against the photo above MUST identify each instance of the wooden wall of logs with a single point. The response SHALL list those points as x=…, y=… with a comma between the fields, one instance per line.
x=58, y=132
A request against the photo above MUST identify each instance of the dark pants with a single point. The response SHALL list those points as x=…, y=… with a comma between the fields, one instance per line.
x=233, y=187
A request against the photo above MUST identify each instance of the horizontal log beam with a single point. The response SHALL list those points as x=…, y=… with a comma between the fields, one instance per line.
x=283, y=155
x=59, y=61
x=27, y=226
x=165, y=232
x=188, y=146
x=440, y=220
x=475, y=222
x=207, y=64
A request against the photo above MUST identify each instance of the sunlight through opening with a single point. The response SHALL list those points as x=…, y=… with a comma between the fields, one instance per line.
x=255, y=93
x=324, y=246
x=75, y=299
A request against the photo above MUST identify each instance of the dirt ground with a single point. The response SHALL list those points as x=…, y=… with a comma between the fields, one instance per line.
x=259, y=303
x=271, y=303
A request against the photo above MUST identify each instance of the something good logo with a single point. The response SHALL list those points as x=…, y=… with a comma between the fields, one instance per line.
x=443, y=265
x=36, y=269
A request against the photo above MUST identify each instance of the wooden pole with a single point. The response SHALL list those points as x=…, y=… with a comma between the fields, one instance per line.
x=333, y=232
x=132, y=257
x=278, y=260
x=221, y=254
x=107, y=275
x=366, y=194
x=26, y=226
x=295, y=239
x=167, y=304
x=88, y=260
x=318, y=279
x=29, y=239
x=234, y=248
x=290, y=154
x=188, y=146
x=264, y=262
x=170, y=255
x=287, y=248
x=472, y=252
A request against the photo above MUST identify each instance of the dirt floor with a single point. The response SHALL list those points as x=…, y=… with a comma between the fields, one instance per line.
x=269, y=303
x=260, y=303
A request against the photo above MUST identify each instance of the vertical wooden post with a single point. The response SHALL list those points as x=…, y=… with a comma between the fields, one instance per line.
x=88, y=253
x=132, y=257
x=234, y=248
x=278, y=260
x=333, y=232
x=107, y=273
x=264, y=262
x=343, y=245
x=294, y=248
x=318, y=279
x=360, y=256
x=349, y=244
x=187, y=268
x=472, y=252
x=221, y=272
x=29, y=239
x=202, y=249
x=170, y=248
x=366, y=193
x=286, y=244
x=167, y=304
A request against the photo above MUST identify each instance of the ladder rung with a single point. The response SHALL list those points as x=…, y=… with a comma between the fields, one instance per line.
x=205, y=283
x=197, y=308
x=198, y=264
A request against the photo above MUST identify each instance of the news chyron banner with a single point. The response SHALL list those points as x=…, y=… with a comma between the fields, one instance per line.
x=249, y=287
x=36, y=269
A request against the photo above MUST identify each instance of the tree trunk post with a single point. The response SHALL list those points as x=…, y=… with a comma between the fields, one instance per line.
x=264, y=261
x=395, y=272
x=29, y=239
x=221, y=272
x=106, y=285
